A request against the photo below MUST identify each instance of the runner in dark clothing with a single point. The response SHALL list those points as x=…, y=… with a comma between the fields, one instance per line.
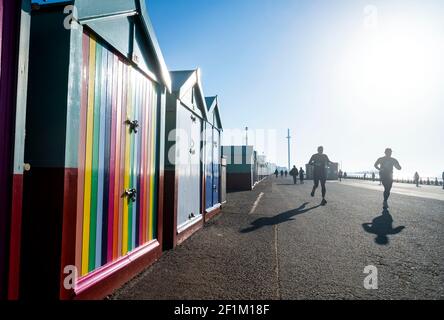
x=385, y=167
x=276, y=172
x=294, y=173
x=416, y=179
x=282, y=173
x=286, y=173
x=301, y=175
x=320, y=162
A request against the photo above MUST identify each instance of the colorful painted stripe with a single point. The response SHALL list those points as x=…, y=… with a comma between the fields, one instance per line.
x=114, y=158
x=88, y=158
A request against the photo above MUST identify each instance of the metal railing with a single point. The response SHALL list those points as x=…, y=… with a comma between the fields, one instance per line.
x=428, y=181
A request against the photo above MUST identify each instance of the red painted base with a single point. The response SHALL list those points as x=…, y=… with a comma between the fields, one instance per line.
x=15, y=242
x=184, y=235
x=212, y=214
x=111, y=277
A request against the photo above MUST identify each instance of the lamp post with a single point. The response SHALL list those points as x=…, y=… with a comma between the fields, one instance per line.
x=289, y=150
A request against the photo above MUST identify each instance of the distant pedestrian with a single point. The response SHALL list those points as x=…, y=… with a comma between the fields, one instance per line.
x=276, y=173
x=416, y=179
x=345, y=175
x=320, y=161
x=373, y=177
x=282, y=173
x=294, y=173
x=385, y=167
x=301, y=175
x=340, y=174
x=286, y=173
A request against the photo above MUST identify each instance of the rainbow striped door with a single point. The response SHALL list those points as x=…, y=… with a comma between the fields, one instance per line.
x=118, y=158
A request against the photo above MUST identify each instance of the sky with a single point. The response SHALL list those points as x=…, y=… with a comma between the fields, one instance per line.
x=354, y=76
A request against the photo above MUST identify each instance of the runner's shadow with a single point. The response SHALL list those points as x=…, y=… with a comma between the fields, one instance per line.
x=382, y=227
x=280, y=218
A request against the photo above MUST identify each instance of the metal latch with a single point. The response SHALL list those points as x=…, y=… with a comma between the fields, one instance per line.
x=27, y=167
x=130, y=194
x=134, y=125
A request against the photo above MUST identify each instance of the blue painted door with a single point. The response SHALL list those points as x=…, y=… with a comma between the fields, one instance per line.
x=216, y=166
x=208, y=166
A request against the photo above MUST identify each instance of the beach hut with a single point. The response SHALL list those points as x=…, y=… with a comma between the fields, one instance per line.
x=263, y=167
x=13, y=17
x=186, y=113
x=212, y=150
x=240, y=167
x=92, y=190
x=223, y=181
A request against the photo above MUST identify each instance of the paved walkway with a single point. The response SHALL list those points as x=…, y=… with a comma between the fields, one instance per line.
x=276, y=242
x=423, y=191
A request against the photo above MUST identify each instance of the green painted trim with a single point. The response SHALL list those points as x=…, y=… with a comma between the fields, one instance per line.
x=22, y=87
x=133, y=182
x=74, y=98
x=95, y=159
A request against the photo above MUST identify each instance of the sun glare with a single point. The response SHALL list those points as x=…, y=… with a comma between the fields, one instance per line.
x=397, y=66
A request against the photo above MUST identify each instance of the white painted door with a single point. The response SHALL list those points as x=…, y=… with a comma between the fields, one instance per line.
x=188, y=169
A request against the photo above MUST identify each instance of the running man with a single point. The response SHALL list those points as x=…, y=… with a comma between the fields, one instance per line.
x=416, y=179
x=320, y=162
x=385, y=167
x=294, y=173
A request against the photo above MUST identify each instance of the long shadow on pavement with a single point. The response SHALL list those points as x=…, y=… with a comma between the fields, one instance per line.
x=382, y=227
x=280, y=218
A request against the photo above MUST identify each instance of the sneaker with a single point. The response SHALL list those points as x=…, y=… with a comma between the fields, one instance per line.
x=324, y=202
x=385, y=205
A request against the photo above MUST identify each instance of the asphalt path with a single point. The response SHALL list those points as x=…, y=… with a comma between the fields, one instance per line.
x=277, y=242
